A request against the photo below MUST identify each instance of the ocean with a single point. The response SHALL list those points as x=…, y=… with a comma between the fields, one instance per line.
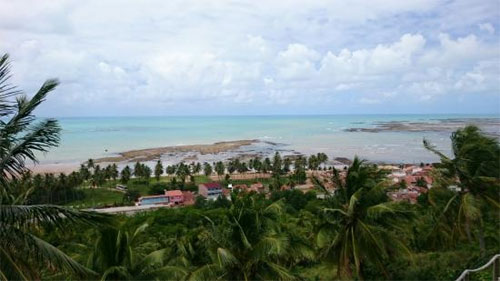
x=95, y=137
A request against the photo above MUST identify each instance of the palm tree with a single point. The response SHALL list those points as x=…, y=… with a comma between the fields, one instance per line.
x=23, y=255
x=125, y=175
x=475, y=169
x=115, y=256
x=114, y=171
x=360, y=222
x=182, y=172
x=207, y=169
x=158, y=170
x=249, y=245
x=219, y=169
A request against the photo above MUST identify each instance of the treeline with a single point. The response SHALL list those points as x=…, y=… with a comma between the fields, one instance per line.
x=50, y=188
x=278, y=165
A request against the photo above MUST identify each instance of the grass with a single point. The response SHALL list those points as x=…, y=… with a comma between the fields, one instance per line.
x=98, y=197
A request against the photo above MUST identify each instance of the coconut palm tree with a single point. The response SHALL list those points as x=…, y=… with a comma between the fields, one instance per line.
x=359, y=224
x=158, y=170
x=116, y=256
x=250, y=245
x=475, y=169
x=23, y=255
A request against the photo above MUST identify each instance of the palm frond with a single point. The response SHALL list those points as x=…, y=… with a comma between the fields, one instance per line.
x=225, y=258
x=280, y=271
x=432, y=148
x=168, y=272
x=9, y=269
x=273, y=244
x=114, y=271
x=38, y=138
x=205, y=273
x=6, y=89
x=243, y=235
x=29, y=215
x=24, y=108
x=39, y=250
x=382, y=209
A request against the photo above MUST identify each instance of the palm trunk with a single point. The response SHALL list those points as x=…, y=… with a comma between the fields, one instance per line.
x=482, y=246
x=467, y=230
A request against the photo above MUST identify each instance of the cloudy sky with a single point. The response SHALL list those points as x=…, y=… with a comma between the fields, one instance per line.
x=116, y=57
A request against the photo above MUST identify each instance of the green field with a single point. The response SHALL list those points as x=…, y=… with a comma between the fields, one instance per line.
x=107, y=196
x=98, y=197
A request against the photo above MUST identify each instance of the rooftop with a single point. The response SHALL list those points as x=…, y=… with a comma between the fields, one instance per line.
x=212, y=185
x=173, y=193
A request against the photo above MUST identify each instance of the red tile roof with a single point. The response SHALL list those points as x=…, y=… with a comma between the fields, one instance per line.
x=212, y=185
x=173, y=193
x=151, y=196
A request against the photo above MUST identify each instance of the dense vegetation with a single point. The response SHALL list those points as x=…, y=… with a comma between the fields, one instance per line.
x=355, y=233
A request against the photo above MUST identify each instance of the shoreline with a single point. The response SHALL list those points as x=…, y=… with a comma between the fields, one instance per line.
x=245, y=149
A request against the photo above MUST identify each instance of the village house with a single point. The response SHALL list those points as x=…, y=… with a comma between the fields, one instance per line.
x=175, y=197
x=210, y=190
x=258, y=187
x=404, y=195
x=189, y=198
x=416, y=178
x=241, y=187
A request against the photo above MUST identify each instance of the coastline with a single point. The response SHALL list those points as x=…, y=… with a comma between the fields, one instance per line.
x=379, y=139
x=54, y=168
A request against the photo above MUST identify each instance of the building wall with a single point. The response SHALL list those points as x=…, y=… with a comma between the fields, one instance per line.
x=211, y=193
x=202, y=190
x=178, y=199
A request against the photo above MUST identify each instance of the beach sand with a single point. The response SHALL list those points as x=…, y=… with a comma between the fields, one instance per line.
x=65, y=168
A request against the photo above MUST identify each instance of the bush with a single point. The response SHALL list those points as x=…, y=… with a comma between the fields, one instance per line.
x=131, y=195
x=158, y=188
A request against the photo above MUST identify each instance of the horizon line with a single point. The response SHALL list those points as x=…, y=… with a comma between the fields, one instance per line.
x=272, y=115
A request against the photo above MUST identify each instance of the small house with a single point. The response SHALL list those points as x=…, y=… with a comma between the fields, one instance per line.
x=210, y=190
x=175, y=196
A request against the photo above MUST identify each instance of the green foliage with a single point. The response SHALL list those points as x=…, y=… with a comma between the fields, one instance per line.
x=125, y=175
x=360, y=223
x=131, y=195
x=475, y=169
x=23, y=254
x=158, y=170
x=158, y=188
x=295, y=200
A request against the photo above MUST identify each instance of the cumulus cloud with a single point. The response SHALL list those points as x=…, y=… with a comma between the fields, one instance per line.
x=181, y=57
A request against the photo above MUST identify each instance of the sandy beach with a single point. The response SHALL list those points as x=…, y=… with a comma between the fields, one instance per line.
x=65, y=168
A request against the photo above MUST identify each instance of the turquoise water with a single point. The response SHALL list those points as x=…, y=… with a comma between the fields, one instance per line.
x=94, y=137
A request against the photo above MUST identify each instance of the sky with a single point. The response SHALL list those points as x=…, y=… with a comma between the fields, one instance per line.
x=195, y=57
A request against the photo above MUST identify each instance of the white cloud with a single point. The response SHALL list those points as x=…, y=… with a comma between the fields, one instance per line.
x=179, y=56
x=364, y=63
x=369, y=101
x=488, y=27
x=297, y=62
